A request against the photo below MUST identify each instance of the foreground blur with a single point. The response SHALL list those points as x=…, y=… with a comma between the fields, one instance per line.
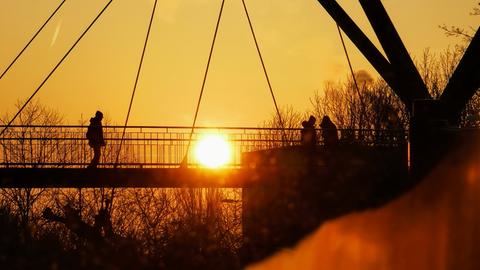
x=434, y=226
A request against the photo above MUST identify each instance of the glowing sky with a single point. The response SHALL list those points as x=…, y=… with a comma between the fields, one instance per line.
x=298, y=40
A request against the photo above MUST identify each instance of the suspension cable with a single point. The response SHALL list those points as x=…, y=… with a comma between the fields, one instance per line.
x=351, y=68
x=136, y=82
x=184, y=161
x=34, y=36
x=266, y=74
x=55, y=68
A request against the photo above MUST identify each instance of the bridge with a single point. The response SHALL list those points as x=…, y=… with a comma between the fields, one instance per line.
x=151, y=156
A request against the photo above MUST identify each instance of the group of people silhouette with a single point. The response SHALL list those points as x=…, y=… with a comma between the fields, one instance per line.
x=328, y=132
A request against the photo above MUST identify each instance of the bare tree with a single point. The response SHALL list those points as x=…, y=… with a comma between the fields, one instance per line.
x=466, y=33
x=19, y=149
x=277, y=135
x=436, y=70
x=470, y=117
x=360, y=112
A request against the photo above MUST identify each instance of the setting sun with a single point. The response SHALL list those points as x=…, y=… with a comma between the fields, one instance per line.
x=213, y=151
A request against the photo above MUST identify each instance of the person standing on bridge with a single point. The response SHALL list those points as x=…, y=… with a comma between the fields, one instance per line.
x=95, y=138
x=308, y=134
x=329, y=131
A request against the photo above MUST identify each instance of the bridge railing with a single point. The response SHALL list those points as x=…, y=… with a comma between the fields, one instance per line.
x=152, y=146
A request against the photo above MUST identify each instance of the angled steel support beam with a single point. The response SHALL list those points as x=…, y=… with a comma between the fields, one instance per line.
x=366, y=47
x=411, y=83
x=464, y=82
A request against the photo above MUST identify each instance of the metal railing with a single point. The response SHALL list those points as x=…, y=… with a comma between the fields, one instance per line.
x=152, y=146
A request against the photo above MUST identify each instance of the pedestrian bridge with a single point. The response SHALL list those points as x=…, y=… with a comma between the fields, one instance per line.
x=148, y=156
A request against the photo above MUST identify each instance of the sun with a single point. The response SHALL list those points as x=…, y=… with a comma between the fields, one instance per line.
x=213, y=151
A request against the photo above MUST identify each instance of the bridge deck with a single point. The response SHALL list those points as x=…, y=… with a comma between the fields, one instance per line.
x=57, y=156
x=123, y=177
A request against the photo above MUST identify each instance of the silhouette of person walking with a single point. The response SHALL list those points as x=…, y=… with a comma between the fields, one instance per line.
x=95, y=138
x=308, y=135
x=329, y=131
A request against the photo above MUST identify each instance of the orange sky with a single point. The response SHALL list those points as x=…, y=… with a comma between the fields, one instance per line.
x=298, y=40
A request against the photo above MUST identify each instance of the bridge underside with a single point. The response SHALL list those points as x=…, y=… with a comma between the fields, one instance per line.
x=122, y=177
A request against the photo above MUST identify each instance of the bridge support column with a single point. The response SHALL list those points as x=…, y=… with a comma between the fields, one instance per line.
x=431, y=136
x=296, y=189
